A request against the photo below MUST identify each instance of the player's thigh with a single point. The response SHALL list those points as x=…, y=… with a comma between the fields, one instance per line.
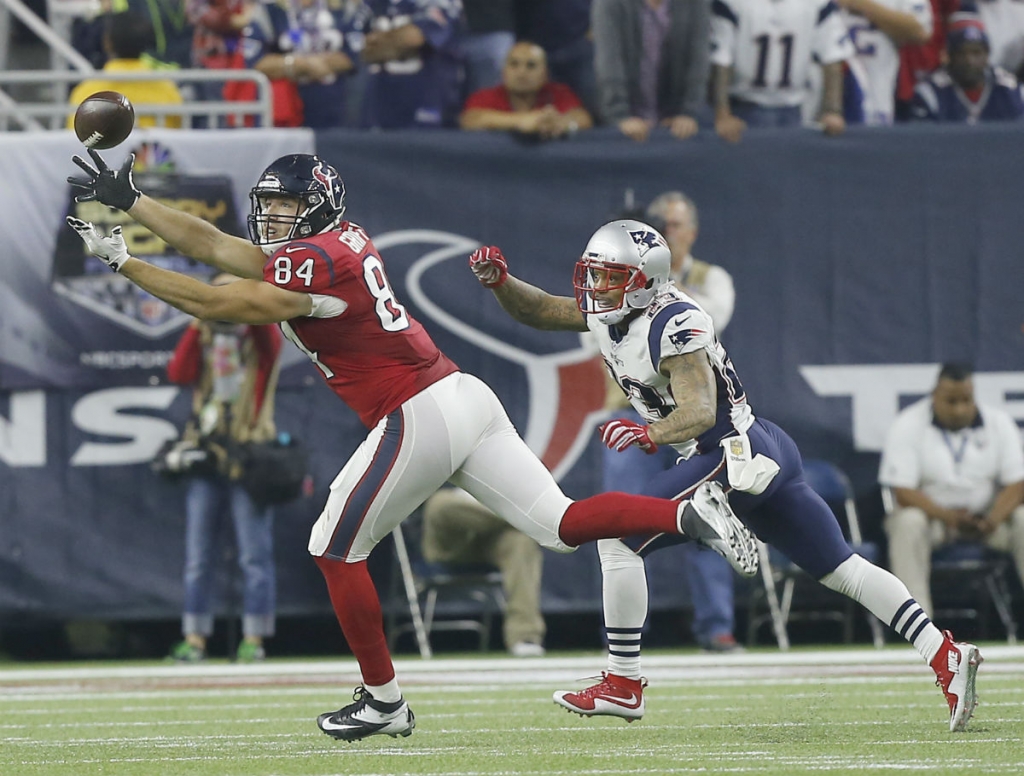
x=404, y=459
x=508, y=478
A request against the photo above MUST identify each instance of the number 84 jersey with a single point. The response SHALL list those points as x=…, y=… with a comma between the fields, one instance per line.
x=672, y=325
x=373, y=354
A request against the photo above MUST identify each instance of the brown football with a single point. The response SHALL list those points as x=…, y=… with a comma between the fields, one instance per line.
x=104, y=119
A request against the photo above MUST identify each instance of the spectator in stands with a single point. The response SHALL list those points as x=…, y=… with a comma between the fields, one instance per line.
x=216, y=40
x=87, y=34
x=1004, y=24
x=172, y=34
x=708, y=575
x=459, y=529
x=126, y=37
x=651, y=62
x=233, y=370
x=956, y=473
x=878, y=28
x=413, y=58
x=918, y=62
x=562, y=29
x=490, y=35
x=968, y=89
x=526, y=102
x=761, y=57
x=306, y=50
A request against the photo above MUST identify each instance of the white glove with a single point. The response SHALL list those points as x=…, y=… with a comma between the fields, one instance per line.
x=111, y=250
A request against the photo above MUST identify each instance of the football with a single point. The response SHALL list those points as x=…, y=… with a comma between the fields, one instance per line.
x=104, y=120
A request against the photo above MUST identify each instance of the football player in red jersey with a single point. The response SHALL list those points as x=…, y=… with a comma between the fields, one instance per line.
x=325, y=283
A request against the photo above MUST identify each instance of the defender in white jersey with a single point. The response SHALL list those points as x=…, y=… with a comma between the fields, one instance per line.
x=662, y=350
x=761, y=57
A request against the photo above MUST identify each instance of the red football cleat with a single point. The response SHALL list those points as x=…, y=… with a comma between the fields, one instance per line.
x=613, y=696
x=956, y=669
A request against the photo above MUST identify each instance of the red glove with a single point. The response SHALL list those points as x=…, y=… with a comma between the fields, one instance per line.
x=620, y=434
x=489, y=266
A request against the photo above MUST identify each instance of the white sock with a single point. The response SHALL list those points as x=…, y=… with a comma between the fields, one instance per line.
x=886, y=597
x=386, y=693
x=624, y=587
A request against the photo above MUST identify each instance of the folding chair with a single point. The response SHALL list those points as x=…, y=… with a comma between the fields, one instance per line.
x=441, y=596
x=779, y=573
x=969, y=578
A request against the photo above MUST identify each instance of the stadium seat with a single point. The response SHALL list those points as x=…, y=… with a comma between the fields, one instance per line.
x=439, y=596
x=782, y=579
x=968, y=581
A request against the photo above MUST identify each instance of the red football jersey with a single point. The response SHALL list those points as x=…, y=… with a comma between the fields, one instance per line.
x=374, y=355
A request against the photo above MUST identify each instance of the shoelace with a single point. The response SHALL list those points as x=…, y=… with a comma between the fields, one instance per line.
x=598, y=689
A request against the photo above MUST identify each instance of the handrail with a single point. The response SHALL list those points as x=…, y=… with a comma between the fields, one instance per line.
x=25, y=112
x=48, y=36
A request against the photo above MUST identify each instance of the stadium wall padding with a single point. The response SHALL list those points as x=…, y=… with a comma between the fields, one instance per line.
x=860, y=263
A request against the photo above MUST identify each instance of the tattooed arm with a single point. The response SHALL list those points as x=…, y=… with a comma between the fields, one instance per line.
x=696, y=396
x=539, y=309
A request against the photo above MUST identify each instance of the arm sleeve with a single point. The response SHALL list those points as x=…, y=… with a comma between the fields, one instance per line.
x=607, y=26
x=699, y=54
x=438, y=20
x=187, y=360
x=1011, y=459
x=724, y=23
x=831, y=37
x=679, y=329
x=900, y=465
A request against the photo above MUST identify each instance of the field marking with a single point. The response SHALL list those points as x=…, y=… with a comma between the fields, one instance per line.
x=857, y=659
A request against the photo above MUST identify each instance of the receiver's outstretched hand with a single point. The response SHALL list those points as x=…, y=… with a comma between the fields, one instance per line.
x=114, y=188
x=111, y=249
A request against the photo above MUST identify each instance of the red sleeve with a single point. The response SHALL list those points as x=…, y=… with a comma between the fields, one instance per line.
x=267, y=341
x=187, y=361
x=563, y=98
x=494, y=98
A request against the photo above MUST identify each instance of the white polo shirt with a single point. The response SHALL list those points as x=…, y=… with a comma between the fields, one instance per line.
x=955, y=469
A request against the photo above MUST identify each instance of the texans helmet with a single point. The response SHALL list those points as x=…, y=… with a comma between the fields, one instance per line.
x=629, y=255
x=312, y=181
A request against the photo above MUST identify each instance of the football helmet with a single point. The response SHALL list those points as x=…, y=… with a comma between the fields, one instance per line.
x=630, y=256
x=311, y=180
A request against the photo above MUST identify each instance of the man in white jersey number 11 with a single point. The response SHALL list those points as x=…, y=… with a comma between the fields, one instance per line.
x=662, y=350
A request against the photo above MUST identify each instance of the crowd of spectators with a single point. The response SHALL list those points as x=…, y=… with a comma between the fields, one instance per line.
x=555, y=67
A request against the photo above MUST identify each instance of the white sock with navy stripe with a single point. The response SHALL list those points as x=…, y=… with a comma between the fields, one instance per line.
x=625, y=605
x=886, y=597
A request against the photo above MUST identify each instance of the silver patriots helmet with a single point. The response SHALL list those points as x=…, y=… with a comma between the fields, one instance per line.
x=628, y=255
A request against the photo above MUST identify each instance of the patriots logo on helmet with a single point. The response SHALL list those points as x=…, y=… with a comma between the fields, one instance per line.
x=328, y=177
x=646, y=239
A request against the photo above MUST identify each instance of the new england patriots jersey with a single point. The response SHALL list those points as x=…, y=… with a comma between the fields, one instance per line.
x=938, y=98
x=422, y=90
x=876, y=64
x=308, y=30
x=672, y=325
x=771, y=45
x=373, y=354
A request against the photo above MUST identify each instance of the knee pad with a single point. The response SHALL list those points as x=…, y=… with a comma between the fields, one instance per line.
x=616, y=555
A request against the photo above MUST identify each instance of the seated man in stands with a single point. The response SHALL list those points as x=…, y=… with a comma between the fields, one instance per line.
x=956, y=472
x=968, y=89
x=126, y=37
x=459, y=529
x=526, y=101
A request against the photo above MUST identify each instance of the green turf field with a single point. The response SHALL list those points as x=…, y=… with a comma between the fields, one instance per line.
x=764, y=712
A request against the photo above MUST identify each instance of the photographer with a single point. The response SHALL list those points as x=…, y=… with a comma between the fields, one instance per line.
x=233, y=370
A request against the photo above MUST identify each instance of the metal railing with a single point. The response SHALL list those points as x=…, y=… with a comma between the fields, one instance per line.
x=28, y=115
